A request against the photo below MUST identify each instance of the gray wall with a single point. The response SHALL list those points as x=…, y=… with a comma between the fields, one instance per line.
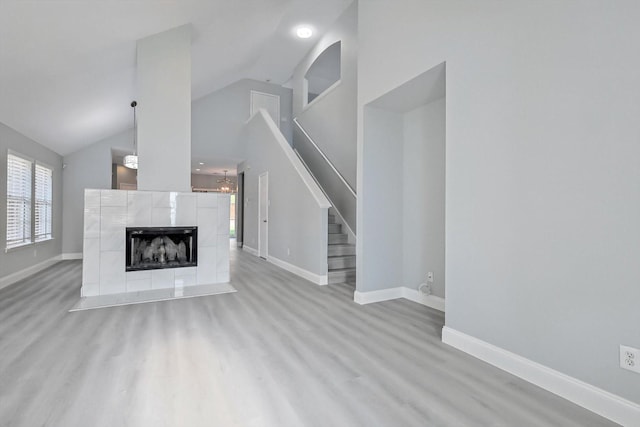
x=331, y=119
x=380, y=233
x=20, y=258
x=87, y=168
x=297, y=225
x=403, y=220
x=542, y=169
x=218, y=118
x=423, y=198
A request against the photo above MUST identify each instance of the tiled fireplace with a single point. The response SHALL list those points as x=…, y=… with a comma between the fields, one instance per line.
x=178, y=240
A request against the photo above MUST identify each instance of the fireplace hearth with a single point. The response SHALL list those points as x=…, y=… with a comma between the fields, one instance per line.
x=151, y=248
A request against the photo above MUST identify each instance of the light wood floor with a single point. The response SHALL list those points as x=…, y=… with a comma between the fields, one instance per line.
x=280, y=352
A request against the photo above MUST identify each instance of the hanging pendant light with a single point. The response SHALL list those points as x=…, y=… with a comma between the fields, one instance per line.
x=226, y=183
x=131, y=160
x=225, y=180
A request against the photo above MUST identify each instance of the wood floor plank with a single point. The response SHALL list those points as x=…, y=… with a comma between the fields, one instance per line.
x=279, y=352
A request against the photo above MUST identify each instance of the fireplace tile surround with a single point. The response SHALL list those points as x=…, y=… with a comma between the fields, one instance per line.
x=107, y=213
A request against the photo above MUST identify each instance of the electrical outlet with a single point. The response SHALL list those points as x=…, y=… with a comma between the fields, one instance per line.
x=430, y=277
x=630, y=358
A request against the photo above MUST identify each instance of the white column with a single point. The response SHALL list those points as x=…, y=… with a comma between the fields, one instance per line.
x=164, y=110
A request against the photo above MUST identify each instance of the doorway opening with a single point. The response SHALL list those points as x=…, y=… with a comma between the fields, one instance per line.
x=263, y=215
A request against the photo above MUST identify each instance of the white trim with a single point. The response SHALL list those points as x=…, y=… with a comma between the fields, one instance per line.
x=71, y=255
x=256, y=92
x=350, y=233
x=250, y=250
x=326, y=159
x=302, y=171
x=326, y=92
x=318, y=279
x=26, y=272
x=399, y=292
x=377, y=296
x=428, y=300
x=602, y=402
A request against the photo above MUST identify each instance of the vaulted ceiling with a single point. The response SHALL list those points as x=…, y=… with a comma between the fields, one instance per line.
x=68, y=67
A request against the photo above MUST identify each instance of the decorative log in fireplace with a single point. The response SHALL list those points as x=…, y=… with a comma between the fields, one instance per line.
x=150, y=248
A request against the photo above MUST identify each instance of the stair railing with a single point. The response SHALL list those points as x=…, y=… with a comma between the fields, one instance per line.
x=333, y=183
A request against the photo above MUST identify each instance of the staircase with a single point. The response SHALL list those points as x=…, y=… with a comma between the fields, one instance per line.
x=341, y=257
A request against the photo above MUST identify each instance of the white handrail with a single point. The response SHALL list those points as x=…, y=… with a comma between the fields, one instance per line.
x=307, y=179
x=295, y=120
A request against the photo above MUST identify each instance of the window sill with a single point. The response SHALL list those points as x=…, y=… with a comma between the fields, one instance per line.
x=25, y=245
x=17, y=247
x=326, y=92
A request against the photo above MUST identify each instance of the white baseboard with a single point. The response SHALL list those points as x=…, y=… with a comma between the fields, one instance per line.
x=399, y=292
x=601, y=402
x=250, y=250
x=26, y=272
x=377, y=296
x=72, y=255
x=428, y=300
x=312, y=277
x=306, y=274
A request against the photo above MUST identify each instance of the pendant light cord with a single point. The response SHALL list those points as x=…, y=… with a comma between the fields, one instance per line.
x=135, y=129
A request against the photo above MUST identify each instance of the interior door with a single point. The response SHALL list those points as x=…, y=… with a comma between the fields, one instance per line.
x=269, y=102
x=263, y=215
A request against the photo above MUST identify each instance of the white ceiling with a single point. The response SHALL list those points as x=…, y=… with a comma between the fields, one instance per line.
x=217, y=166
x=67, y=67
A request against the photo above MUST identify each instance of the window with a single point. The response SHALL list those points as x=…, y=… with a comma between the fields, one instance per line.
x=44, y=192
x=18, y=201
x=29, y=201
x=323, y=73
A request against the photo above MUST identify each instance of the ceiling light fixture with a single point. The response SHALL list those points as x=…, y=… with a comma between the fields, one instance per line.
x=304, y=32
x=201, y=163
x=225, y=180
x=131, y=160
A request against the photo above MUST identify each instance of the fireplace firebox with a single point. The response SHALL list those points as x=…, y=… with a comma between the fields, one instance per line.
x=150, y=248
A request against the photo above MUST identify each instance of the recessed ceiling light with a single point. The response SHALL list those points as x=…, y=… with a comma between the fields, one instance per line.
x=197, y=170
x=201, y=163
x=304, y=32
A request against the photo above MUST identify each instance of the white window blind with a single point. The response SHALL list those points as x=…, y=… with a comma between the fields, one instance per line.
x=44, y=195
x=18, y=200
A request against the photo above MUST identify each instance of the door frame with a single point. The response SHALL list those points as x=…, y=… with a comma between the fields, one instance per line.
x=263, y=178
x=240, y=211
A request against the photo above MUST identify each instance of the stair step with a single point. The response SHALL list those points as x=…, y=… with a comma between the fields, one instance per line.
x=341, y=249
x=332, y=219
x=335, y=228
x=338, y=238
x=341, y=261
x=343, y=275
